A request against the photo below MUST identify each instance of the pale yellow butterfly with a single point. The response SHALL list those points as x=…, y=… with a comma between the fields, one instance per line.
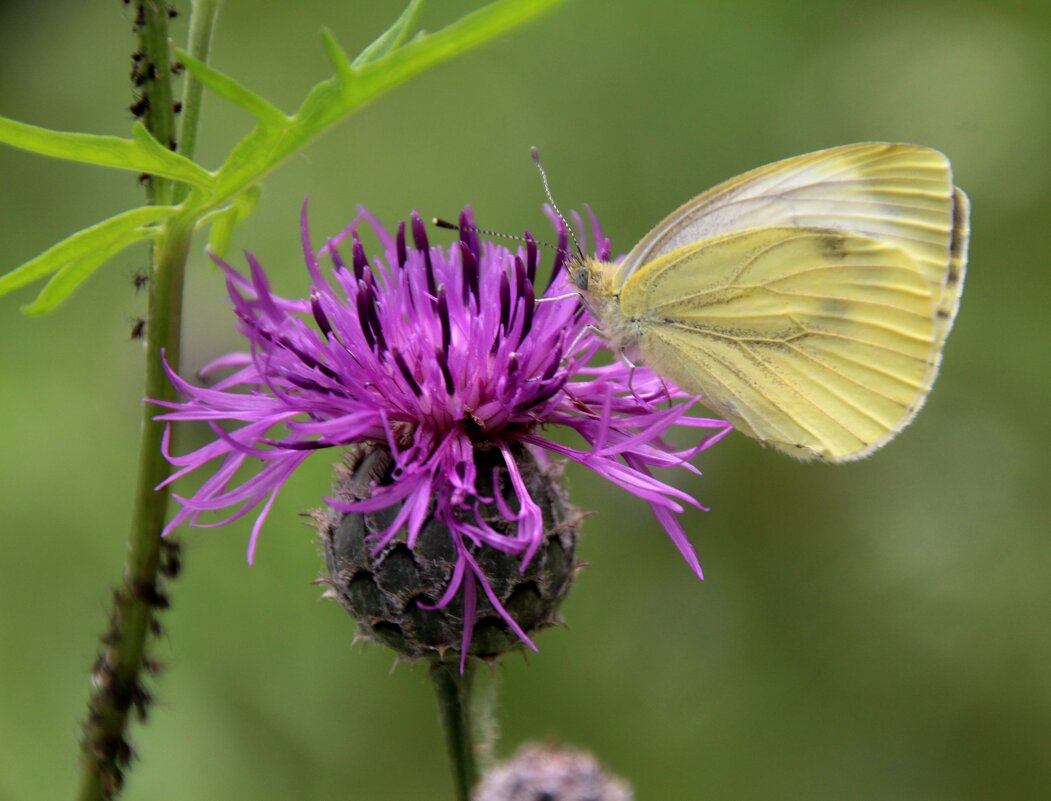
x=807, y=301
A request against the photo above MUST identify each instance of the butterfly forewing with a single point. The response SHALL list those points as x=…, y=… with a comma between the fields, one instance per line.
x=817, y=341
x=897, y=193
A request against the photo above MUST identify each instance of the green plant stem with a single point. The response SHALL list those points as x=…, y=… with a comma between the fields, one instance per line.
x=202, y=24
x=118, y=673
x=454, y=707
x=163, y=341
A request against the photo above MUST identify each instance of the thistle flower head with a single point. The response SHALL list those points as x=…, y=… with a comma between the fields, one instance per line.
x=551, y=773
x=439, y=356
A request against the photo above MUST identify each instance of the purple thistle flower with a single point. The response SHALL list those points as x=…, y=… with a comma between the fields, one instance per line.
x=432, y=353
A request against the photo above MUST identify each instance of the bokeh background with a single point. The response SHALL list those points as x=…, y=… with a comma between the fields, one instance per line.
x=873, y=631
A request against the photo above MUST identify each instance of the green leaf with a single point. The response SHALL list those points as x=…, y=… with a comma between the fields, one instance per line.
x=139, y=154
x=76, y=272
x=391, y=38
x=123, y=228
x=226, y=219
x=263, y=110
x=337, y=55
x=332, y=99
x=222, y=231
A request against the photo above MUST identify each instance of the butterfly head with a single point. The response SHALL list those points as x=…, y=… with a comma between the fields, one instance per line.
x=594, y=279
x=592, y=276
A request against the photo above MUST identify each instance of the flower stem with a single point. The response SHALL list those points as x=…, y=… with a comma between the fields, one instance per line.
x=117, y=679
x=454, y=696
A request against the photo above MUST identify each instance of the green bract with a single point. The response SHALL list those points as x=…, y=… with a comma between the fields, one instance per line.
x=226, y=196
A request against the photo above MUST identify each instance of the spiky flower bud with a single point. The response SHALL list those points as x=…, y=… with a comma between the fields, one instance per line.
x=395, y=592
x=548, y=773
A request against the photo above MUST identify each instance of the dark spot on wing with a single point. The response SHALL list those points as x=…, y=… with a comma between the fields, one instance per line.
x=943, y=314
x=958, y=225
x=959, y=237
x=833, y=246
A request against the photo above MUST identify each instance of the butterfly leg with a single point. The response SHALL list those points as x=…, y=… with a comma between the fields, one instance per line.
x=567, y=296
x=632, y=367
x=589, y=328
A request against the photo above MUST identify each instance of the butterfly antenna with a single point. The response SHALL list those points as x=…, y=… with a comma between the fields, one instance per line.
x=438, y=222
x=547, y=190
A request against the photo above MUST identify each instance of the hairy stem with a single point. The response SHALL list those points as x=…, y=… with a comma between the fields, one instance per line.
x=118, y=686
x=155, y=98
x=454, y=706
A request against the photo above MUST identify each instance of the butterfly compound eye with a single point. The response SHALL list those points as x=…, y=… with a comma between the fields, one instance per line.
x=580, y=276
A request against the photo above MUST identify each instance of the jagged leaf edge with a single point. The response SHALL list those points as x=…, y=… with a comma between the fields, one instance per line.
x=69, y=278
x=390, y=38
x=82, y=243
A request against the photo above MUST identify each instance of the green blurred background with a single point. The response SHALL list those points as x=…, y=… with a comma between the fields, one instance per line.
x=873, y=631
